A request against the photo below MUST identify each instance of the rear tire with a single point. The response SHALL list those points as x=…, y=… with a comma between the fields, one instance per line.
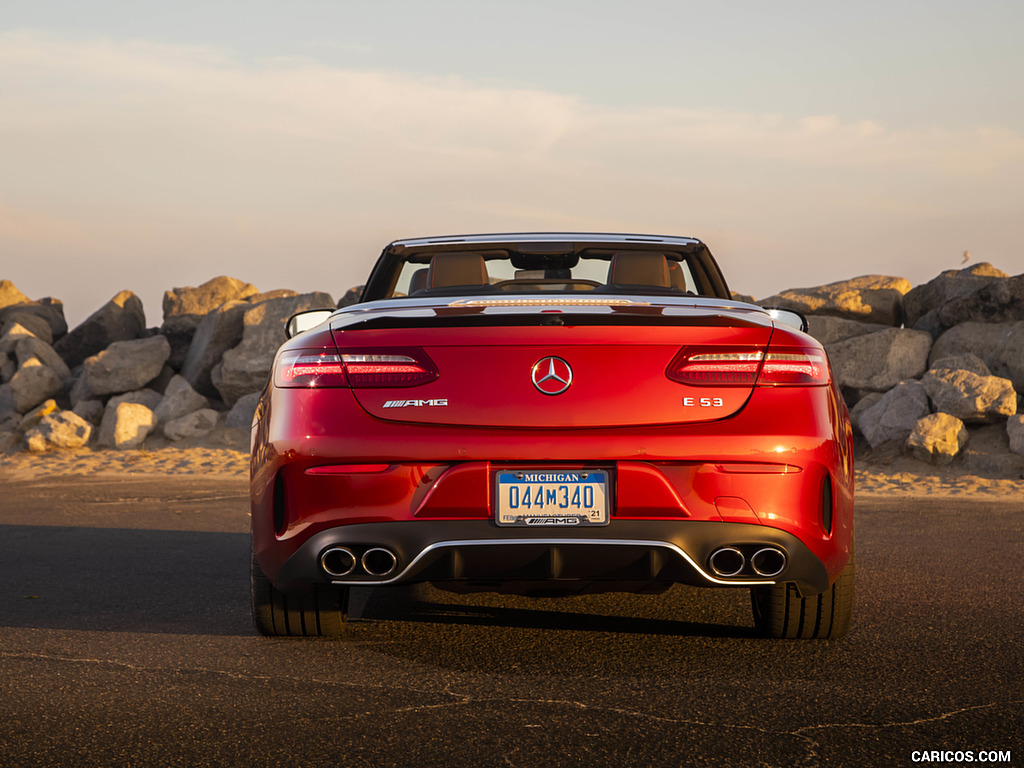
x=779, y=611
x=320, y=611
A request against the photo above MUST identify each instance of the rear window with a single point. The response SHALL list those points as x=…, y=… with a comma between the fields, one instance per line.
x=499, y=271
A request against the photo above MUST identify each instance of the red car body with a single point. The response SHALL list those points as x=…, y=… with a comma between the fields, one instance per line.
x=463, y=433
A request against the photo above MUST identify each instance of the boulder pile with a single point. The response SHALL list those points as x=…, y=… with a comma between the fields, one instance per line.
x=935, y=370
x=112, y=383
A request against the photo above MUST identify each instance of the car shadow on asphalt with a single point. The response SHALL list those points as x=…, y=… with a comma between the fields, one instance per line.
x=196, y=582
x=626, y=614
x=124, y=580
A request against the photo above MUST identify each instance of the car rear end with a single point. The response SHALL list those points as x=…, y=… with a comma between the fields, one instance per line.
x=554, y=445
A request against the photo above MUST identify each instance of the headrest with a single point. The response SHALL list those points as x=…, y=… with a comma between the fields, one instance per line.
x=676, y=277
x=449, y=269
x=418, y=281
x=639, y=268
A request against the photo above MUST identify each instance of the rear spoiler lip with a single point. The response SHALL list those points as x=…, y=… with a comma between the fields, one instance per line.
x=618, y=310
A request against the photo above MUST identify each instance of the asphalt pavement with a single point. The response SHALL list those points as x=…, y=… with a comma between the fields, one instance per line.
x=125, y=640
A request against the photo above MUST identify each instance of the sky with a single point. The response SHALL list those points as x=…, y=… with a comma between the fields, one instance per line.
x=152, y=145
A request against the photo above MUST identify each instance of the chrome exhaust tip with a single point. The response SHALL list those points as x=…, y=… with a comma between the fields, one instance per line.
x=379, y=562
x=768, y=562
x=338, y=561
x=727, y=561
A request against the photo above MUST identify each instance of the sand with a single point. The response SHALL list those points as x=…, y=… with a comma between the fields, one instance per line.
x=878, y=477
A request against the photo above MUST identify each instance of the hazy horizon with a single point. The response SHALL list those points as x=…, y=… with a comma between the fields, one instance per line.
x=148, y=148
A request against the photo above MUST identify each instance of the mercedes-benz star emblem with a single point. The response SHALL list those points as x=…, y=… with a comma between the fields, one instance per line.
x=551, y=375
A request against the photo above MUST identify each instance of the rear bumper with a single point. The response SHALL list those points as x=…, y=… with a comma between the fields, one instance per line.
x=676, y=493
x=480, y=553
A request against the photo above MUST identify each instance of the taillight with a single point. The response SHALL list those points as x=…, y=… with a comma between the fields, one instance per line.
x=306, y=368
x=779, y=367
x=715, y=368
x=388, y=369
x=793, y=366
x=354, y=368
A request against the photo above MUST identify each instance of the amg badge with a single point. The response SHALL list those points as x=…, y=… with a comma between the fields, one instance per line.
x=416, y=403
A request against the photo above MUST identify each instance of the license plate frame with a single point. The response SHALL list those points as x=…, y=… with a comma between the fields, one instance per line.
x=567, y=498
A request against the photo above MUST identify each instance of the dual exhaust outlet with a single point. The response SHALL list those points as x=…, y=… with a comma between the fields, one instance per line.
x=730, y=561
x=338, y=562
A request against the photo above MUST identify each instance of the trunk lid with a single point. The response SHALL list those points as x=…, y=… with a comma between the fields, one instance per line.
x=488, y=365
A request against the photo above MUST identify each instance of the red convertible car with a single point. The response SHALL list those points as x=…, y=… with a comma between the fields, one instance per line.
x=551, y=414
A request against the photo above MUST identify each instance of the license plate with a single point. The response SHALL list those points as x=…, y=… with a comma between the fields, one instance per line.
x=546, y=498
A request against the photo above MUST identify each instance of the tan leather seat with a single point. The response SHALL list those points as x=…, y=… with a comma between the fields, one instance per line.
x=639, y=268
x=451, y=269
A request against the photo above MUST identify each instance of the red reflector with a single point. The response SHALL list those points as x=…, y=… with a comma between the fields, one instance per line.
x=757, y=468
x=347, y=469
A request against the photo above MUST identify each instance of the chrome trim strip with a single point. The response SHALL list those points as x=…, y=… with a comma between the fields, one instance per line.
x=553, y=542
x=554, y=237
x=564, y=301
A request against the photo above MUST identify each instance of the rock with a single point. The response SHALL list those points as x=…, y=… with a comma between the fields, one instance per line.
x=352, y=296
x=10, y=338
x=108, y=420
x=218, y=332
x=862, y=405
x=7, y=409
x=280, y=293
x=828, y=330
x=32, y=384
x=9, y=440
x=999, y=345
x=185, y=308
x=126, y=426
x=10, y=295
x=147, y=397
x=922, y=303
x=8, y=367
x=34, y=416
x=988, y=453
x=894, y=415
x=937, y=438
x=241, y=413
x=1015, y=433
x=245, y=368
x=53, y=310
x=59, y=430
x=962, y=362
x=1000, y=300
x=30, y=346
x=194, y=424
x=45, y=318
x=162, y=379
x=968, y=396
x=870, y=298
x=120, y=319
x=879, y=361
x=37, y=326
x=124, y=366
x=179, y=400
x=90, y=410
